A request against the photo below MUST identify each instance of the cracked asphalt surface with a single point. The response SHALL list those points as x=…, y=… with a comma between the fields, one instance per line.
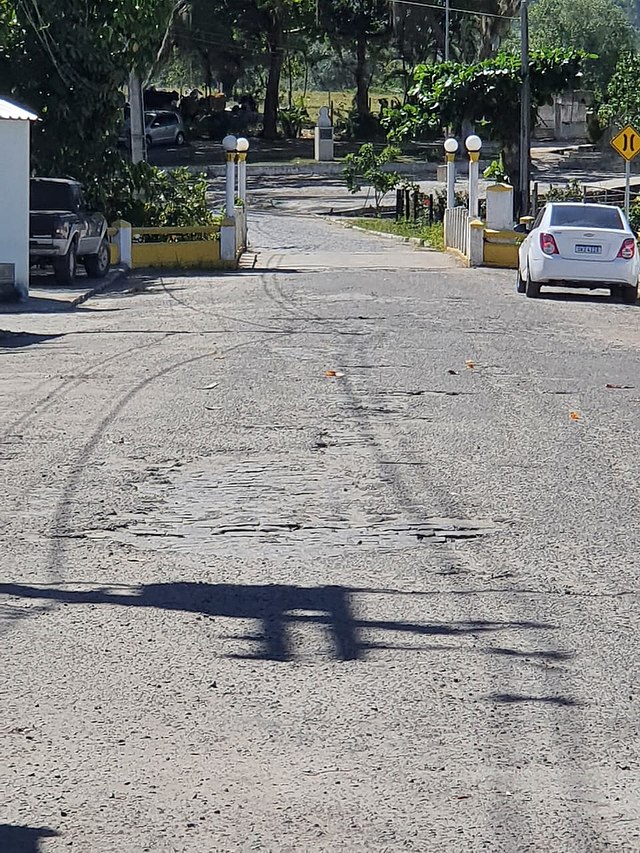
x=301, y=560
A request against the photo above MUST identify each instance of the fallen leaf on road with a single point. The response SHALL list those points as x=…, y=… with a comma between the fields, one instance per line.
x=453, y=372
x=210, y=387
x=612, y=385
x=575, y=416
x=333, y=374
x=464, y=797
x=470, y=365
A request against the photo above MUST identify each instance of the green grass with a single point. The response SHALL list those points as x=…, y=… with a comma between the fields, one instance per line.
x=432, y=235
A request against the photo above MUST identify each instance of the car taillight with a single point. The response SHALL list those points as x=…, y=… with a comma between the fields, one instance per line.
x=548, y=244
x=628, y=249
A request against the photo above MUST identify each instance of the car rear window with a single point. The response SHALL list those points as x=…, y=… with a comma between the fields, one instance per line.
x=584, y=216
x=45, y=195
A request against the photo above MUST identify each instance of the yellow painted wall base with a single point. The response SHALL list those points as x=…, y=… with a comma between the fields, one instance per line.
x=201, y=254
x=501, y=249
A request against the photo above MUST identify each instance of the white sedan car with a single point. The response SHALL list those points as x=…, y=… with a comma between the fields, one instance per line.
x=580, y=245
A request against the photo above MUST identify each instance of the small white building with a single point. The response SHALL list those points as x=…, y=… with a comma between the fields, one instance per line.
x=15, y=125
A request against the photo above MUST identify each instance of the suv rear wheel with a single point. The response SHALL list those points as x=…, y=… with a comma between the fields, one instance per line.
x=629, y=294
x=97, y=266
x=65, y=267
x=180, y=140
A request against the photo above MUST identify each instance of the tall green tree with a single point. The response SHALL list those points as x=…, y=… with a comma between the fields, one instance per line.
x=622, y=99
x=484, y=94
x=71, y=68
x=356, y=26
x=599, y=27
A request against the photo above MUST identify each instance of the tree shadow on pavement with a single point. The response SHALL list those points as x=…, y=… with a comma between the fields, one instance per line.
x=23, y=839
x=276, y=608
x=18, y=340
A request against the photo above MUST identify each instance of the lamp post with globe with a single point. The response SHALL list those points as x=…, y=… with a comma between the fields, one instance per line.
x=242, y=147
x=451, y=149
x=229, y=143
x=473, y=145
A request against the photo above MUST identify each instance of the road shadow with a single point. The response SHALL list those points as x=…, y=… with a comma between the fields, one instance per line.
x=276, y=608
x=19, y=340
x=23, y=839
x=579, y=296
x=518, y=698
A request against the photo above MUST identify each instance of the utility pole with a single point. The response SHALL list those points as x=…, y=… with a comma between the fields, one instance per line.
x=447, y=18
x=525, y=112
x=136, y=119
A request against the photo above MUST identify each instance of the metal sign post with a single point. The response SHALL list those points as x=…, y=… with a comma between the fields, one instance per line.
x=627, y=145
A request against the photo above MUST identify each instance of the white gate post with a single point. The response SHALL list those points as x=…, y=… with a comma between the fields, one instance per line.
x=474, y=145
x=451, y=148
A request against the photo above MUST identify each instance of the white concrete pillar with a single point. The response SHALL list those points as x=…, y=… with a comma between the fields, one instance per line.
x=450, y=149
x=228, y=251
x=136, y=119
x=474, y=156
x=500, y=207
x=475, y=250
x=473, y=144
x=242, y=176
x=123, y=242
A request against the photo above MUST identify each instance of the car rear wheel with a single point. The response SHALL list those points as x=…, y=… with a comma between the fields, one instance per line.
x=97, y=266
x=531, y=288
x=65, y=267
x=180, y=140
x=629, y=294
x=521, y=284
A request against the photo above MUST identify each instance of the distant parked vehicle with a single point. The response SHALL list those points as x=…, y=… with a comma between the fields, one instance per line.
x=64, y=231
x=580, y=245
x=161, y=127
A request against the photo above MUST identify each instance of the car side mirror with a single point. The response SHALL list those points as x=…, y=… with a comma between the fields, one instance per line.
x=521, y=229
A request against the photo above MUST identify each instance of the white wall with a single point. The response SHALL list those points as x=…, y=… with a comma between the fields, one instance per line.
x=14, y=199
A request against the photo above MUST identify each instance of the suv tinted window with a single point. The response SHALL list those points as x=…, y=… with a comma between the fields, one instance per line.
x=51, y=195
x=586, y=216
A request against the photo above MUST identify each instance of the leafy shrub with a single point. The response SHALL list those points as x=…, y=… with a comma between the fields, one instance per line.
x=497, y=172
x=366, y=168
x=293, y=119
x=147, y=196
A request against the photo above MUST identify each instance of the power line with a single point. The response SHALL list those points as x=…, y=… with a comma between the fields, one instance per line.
x=441, y=8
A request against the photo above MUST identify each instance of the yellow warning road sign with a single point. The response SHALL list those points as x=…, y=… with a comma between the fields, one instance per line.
x=627, y=142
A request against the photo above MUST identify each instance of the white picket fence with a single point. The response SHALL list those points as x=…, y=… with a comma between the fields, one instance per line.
x=456, y=229
x=464, y=235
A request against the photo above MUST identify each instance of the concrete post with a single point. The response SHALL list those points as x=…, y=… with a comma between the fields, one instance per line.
x=451, y=181
x=228, y=251
x=122, y=240
x=230, y=189
x=136, y=119
x=476, y=243
x=242, y=176
x=500, y=207
x=474, y=157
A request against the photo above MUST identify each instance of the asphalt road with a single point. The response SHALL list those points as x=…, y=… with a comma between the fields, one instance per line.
x=320, y=560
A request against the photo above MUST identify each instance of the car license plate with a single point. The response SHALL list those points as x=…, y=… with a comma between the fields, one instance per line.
x=588, y=250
